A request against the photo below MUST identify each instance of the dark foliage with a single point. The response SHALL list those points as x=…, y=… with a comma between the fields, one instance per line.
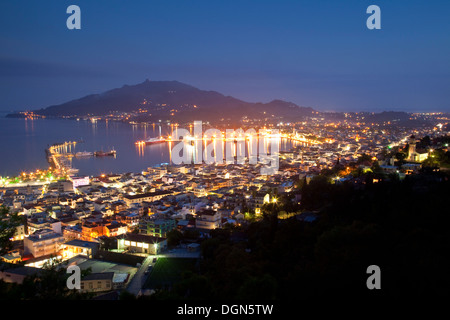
x=401, y=226
x=49, y=284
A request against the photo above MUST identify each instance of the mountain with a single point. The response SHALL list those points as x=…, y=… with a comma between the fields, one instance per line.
x=175, y=101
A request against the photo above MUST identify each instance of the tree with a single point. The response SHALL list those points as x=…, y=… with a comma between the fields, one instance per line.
x=300, y=183
x=401, y=156
x=316, y=193
x=51, y=284
x=363, y=158
x=193, y=286
x=262, y=288
x=431, y=162
x=108, y=243
x=125, y=295
x=174, y=238
x=425, y=142
x=8, y=224
x=191, y=234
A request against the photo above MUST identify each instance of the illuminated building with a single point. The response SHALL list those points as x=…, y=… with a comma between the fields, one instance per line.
x=208, y=219
x=97, y=282
x=145, y=197
x=413, y=155
x=141, y=243
x=43, y=242
x=156, y=227
x=80, y=247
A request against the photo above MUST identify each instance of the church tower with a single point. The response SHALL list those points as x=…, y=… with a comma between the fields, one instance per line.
x=412, y=148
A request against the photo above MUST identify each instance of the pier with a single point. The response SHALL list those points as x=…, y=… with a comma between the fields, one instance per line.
x=59, y=156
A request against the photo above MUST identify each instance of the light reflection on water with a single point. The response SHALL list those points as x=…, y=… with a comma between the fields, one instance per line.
x=24, y=142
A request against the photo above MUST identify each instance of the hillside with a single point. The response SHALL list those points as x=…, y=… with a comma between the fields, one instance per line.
x=173, y=100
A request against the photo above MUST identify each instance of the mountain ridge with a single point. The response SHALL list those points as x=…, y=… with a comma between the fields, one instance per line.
x=174, y=101
x=187, y=100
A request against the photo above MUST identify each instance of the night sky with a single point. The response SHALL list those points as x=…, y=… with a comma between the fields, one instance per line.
x=314, y=53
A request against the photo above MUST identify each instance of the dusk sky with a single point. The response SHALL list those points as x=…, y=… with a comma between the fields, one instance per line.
x=318, y=54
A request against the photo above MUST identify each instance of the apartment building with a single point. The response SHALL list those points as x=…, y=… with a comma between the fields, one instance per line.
x=43, y=242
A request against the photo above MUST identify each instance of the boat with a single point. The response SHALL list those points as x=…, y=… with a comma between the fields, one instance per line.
x=152, y=141
x=155, y=140
x=83, y=154
x=105, y=154
x=72, y=171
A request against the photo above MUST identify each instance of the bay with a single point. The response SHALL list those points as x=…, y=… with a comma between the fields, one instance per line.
x=23, y=143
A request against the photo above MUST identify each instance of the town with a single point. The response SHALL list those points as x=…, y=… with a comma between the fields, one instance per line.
x=120, y=225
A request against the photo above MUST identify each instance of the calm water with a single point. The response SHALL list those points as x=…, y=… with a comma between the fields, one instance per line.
x=23, y=143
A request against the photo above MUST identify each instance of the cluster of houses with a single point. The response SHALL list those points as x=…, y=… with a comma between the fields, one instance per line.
x=136, y=210
x=68, y=218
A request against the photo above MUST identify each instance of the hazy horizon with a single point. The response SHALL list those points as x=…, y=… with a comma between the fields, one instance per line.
x=317, y=108
x=317, y=54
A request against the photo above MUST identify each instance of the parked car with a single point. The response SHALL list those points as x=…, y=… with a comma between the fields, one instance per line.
x=148, y=270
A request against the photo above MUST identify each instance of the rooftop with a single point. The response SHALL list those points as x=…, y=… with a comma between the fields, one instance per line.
x=23, y=271
x=148, y=194
x=99, y=276
x=82, y=243
x=143, y=238
x=43, y=234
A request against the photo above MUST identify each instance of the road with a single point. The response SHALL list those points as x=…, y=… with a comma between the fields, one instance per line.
x=140, y=277
x=24, y=184
x=138, y=280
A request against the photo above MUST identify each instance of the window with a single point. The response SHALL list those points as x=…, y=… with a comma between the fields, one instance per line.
x=99, y=284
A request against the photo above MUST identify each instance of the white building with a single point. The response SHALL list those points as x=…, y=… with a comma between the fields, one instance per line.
x=43, y=242
x=208, y=219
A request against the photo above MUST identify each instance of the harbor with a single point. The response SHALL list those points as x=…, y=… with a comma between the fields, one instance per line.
x=60, y=155
x=236, y=137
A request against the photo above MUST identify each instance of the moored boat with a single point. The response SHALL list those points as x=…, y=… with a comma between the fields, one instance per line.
x=83, y=154
x=105, y=154
x=152, y=141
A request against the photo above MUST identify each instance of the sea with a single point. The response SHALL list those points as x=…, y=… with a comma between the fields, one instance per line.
x=23, y=143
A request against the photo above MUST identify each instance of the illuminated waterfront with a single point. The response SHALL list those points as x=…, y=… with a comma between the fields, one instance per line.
x=25, y=150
